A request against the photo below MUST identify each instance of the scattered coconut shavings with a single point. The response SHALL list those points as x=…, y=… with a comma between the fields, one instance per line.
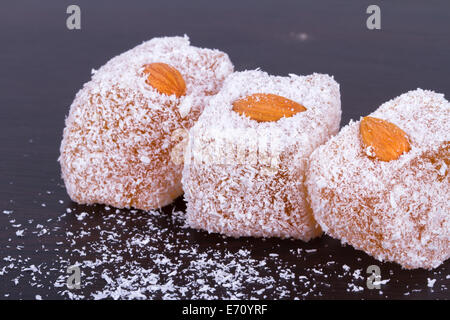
x=375, y=283
x=19, y=233
x=81, y=216
x=354, y=288
x=131, y=254
x=431, y=282
x=357, y=274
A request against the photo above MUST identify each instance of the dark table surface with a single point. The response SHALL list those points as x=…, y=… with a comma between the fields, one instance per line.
x=134, y=254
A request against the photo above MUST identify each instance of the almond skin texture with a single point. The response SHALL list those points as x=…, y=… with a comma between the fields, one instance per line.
x=386, y=141
x=165, y=79
x=264, y=107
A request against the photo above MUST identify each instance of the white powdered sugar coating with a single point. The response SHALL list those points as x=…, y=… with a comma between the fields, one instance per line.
x=246, y=178
x=118, y=138
x=397, y=210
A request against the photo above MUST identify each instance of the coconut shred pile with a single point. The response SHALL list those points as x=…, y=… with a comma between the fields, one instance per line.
x=131, y=254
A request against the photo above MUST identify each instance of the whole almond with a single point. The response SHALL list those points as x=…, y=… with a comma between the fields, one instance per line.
x=165, y=79
x=383, y=139
x=264, y=107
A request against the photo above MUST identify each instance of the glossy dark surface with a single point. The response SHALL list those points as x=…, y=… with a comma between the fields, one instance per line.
x=43, y=65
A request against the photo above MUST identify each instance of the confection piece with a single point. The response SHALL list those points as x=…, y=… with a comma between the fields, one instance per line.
x=382, y=183
x=121, y=143
x=247, y=154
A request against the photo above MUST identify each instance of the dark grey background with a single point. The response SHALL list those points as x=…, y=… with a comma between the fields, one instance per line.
x=43, y=65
